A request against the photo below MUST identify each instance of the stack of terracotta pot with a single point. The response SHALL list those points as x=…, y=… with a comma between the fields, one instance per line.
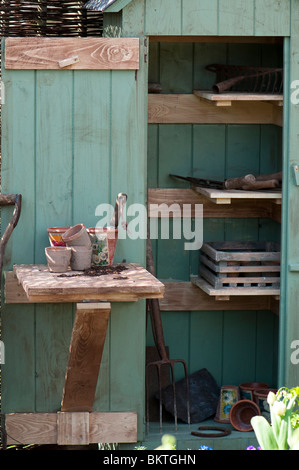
x=238, y=404
x=74, y=250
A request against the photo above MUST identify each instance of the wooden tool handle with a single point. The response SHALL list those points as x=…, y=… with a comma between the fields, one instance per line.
x=271, y=176
x=267, y=184
x=238, y=183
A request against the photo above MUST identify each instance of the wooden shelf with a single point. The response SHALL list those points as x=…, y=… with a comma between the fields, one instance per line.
x=191, y=109
x=219, y=196
x=226, y=99
x=164, y=198
x=226, y=292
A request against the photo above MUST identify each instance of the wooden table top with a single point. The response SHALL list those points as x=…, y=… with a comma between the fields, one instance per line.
x=129, y=282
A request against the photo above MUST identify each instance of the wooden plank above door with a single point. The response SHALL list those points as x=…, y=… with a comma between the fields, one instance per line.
x=72, y=53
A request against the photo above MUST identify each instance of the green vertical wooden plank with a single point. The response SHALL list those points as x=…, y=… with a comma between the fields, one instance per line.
x=209, y=144
x=91, y=145
x=272, y=17
x=206, y=342
x=54, y=190
x=127, y=359
x=289, y=322
x=18, y=371
x=172, y=259
x=53, y=154
x=199, y=17
x=163, y=18
x=133, y=18
x=206, y=54
x=271, y=149
x=175, y=154
x=18, y=161
x=244, y=54
x=176, y=327
x=154, y=62
x=128, y=157
x=239, y=355
x=53, y=334
x=236, y=18
x=272, y=55
x=266, y=348
x=176, y=67
x=17, y=176
x=243, y=150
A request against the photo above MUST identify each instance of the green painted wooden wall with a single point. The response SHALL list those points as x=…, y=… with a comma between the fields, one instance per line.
x=206, y=17
x=235, y=346
x=69, y=144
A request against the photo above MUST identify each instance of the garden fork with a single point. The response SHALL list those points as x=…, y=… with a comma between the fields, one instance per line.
x=154, y=309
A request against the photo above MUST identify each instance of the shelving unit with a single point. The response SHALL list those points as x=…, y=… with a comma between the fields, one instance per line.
x=219, y=196
x=230, y=107
x=226, y=293
x=228, y=98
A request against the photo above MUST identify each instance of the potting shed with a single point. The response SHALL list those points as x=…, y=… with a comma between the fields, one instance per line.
x=85, y=119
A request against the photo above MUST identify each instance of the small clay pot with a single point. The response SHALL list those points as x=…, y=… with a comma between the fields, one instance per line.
x=77, y=236
x=55, y=235
x=58, y=258
x=241, y=414
x=81, y=258
x=247, y=389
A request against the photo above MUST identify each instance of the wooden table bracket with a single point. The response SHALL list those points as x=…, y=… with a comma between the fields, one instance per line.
x=85, y=354
x=67, y=428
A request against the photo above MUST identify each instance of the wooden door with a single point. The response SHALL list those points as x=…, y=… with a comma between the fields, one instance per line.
x=73, y=137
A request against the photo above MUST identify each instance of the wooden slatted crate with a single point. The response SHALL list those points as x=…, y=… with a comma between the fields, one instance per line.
x=240, y=264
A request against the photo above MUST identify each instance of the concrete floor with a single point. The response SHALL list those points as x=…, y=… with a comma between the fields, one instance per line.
x=236, y=440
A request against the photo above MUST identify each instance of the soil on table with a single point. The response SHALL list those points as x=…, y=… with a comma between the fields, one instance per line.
x=100, y=271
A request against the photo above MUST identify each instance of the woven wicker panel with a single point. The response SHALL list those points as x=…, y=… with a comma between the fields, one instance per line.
x=48, y=18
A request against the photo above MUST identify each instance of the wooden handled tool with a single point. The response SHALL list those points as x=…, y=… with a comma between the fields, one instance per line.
x=232, y=183
x=263, y=184
x=271, y=176
x=248, y=182
x=238, y=183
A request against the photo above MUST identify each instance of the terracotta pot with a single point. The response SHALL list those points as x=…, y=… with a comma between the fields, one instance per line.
x=77, y=236
x=247, y=389
x=55, y=235
x=229, y=395
x=103, y=241
x=58, y=258
x=260, y=398
x=241, y=414
x=81, y=258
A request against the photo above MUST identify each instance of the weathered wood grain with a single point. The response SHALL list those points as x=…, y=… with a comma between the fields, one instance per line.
x=189, y=109
x=161, y=200
x=72, y=53
x=51, y=428
x=186, y=297
x=72, y=428
x=86, y=349
x=42, y=286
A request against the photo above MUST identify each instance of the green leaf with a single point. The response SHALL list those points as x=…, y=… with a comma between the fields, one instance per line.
x=264, y=433
x=282, y=439
x=275, y=421
x=294, y=440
